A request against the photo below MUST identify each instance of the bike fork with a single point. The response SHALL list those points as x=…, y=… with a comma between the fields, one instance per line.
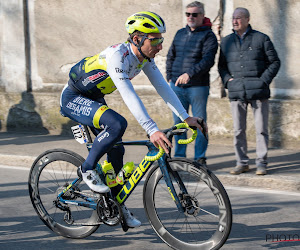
x=166, y=170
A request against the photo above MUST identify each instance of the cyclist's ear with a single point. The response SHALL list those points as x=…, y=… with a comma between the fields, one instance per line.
x=135, y=39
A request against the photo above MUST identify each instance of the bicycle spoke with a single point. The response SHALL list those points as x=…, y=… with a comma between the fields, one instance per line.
x=49, y=189
x=209, y=213
x=175, y=220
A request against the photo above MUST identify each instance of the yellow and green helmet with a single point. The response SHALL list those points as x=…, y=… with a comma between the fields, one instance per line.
x=146, y=22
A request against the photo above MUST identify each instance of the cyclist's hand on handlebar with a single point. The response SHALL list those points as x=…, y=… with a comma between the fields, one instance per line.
x=198, y=123
x=159, y=139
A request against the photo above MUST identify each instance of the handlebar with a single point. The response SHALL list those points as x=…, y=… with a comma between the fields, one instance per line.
x=155, y=157
x=181, y=141
x=188, y=140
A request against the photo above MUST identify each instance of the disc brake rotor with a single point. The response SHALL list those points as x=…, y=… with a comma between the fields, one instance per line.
x=190, y=204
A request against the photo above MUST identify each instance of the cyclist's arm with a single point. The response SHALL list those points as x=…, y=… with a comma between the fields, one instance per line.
x=164, y=90
x=168, y=95
x=117, y=71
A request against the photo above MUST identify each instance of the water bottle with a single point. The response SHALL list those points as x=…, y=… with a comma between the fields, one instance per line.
x=109, y=173
x=100, y=171
x=125, y=173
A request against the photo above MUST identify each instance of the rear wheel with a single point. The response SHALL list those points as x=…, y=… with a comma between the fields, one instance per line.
x=206, y=221
x=50, y=174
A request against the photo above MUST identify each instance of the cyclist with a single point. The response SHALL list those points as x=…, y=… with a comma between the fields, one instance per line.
x=82, y=99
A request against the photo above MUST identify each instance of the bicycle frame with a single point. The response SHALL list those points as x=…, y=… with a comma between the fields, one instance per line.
x=142, y=169
x=136, y=176
x=201, y=218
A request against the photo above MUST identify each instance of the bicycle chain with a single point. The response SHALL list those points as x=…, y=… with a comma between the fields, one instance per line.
x=86, y=224
x=93, y=196
x=90, y=195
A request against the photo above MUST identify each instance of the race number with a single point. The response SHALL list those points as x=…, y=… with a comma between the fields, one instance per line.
x=79, y=134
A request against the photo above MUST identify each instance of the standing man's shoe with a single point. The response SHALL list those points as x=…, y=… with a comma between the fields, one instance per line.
x=202, y=162
x=239, y=169
x=261, y=170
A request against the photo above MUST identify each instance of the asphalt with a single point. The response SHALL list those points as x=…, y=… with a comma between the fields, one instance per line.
x=21, y=149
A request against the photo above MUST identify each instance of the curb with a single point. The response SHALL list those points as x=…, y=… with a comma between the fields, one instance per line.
x=285, y=183
x=17, y=160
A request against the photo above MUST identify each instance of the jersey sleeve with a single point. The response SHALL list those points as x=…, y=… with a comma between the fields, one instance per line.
x=117, y=70
x=164, y=90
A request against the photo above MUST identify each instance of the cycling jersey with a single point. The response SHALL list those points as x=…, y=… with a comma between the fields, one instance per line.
x=113, y=69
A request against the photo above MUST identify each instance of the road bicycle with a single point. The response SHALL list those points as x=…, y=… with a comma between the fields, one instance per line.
x=185, y=203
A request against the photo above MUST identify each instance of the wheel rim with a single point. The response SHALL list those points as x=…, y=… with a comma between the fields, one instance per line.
x=202, y=227
x=50, y=175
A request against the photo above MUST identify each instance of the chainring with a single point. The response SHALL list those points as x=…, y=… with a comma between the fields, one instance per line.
x=109, y=211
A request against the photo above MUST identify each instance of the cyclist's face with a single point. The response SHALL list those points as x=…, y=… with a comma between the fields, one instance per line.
x=148, y=49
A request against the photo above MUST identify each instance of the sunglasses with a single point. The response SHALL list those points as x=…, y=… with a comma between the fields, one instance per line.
x=193, y=14
x=155, y=41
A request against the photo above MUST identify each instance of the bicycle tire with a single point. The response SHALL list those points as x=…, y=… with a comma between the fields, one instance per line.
x=181, y=230
x=50, y=173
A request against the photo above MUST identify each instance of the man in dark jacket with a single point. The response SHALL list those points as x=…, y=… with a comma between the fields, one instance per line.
x=248, y=62
x=189, y=60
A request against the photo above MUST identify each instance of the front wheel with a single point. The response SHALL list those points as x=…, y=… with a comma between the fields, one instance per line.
x=207, y=217
x=50, y=174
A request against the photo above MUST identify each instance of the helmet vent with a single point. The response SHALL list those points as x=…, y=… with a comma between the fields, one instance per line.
x=149, y=26
x=131, y=22
x=150, y=17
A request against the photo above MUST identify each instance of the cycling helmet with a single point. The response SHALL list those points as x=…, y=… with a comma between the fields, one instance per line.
x=146, y=22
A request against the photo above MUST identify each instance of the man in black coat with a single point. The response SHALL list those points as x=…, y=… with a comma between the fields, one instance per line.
x=189, y=60
x=248, y=62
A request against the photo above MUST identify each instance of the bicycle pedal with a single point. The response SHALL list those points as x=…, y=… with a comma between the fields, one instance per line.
x=79, y=172
x=124, y=225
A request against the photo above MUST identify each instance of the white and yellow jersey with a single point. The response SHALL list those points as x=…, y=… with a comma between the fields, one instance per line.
x=113, y=69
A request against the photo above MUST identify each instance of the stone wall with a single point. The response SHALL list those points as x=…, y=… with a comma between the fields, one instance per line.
x=39, y=112
x=41, y=40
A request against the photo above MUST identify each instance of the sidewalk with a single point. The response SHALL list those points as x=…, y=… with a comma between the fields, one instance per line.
x=18, y=149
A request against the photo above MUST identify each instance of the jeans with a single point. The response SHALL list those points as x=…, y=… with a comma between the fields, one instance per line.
x=196, y=97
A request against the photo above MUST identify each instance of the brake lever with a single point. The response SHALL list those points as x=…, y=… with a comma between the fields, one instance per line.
x=203, y=126
x=169, y=135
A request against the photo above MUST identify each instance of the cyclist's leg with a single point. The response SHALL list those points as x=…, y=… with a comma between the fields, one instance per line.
x=96, y=115
x=95, y=131
x=115, y=155
x=114, y=128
